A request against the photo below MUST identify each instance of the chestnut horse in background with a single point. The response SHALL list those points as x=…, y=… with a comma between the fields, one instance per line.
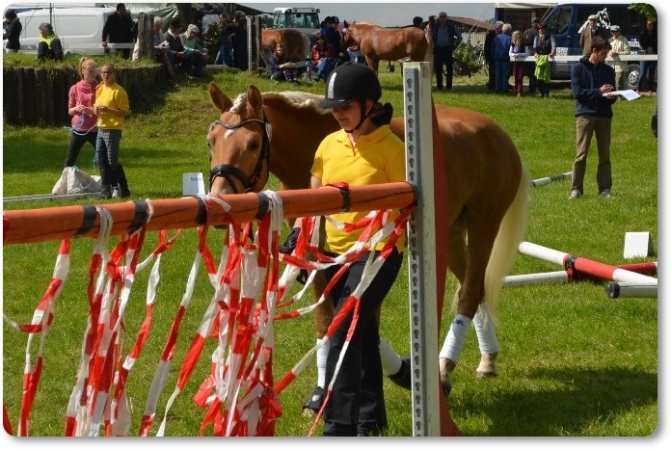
x=488, y=187
x=296, y=44
x=390, y=44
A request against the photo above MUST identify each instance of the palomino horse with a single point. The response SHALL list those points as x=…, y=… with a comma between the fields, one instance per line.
x=296, y=44
x=488, y=189
x=378, y=43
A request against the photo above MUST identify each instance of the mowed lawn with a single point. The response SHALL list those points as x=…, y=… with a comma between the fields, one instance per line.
x=573, y=362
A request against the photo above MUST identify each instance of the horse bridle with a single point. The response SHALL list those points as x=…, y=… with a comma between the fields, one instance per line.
x=228, y=171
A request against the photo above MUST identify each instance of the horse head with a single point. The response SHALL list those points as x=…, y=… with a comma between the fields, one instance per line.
x=347, y=35
x=239, y=143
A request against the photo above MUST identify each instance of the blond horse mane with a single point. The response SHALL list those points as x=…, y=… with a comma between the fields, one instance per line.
x=294, y=99
x=297, y=99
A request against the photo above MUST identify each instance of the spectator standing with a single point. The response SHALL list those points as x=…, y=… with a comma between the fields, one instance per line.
x=175, y=48
x=49, y=45
x=227, y=29
x=501, y=49
x=363, y=152
x=445, y=40
x=13, y=44
x=489, y=54
x=240, y=52
x=198, y=17
x=530, y=67
x=518, y=51
x=417, y=22
x=321, y=57
x=544, y=49
x=118, y=29
x=589, y=32
x=112, y=107
x=281, y=68
x=648, y=42
x=81, y=98
x=619, y=46
x=592, y=83
x=195, y=51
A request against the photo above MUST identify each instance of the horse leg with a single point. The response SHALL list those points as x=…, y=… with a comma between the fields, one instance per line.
x=373, y=63
x=457, y=264
x=471, y=295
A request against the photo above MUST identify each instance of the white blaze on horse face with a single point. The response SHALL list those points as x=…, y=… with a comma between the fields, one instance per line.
x=228, y=133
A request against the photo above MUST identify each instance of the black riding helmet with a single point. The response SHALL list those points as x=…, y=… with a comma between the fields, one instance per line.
x=349, y=82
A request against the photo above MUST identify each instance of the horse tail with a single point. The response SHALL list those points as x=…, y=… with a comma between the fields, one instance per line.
x=505, y=249
x=429, y=48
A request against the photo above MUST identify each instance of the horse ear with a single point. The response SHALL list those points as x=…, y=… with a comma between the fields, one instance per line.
x=254, y=98
x=219, y=99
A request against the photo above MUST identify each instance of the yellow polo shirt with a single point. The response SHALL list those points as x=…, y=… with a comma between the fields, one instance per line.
x=378, y=157
x=114, y=97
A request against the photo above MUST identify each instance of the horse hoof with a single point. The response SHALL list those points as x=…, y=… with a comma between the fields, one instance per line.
x=403, y=377
x=314, y=403
x=446, y=367
x=487, y=367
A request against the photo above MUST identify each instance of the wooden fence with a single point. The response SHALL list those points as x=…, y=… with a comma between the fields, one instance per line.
x=39, y=95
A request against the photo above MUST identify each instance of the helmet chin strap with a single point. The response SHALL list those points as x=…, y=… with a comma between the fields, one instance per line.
x=364, y=114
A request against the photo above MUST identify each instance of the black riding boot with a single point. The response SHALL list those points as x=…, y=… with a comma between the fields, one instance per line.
x=122, y=183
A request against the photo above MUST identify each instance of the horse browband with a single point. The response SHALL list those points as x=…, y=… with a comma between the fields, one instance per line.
x=227, y=171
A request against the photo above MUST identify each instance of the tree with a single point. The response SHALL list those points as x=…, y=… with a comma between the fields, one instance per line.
x=645, y=9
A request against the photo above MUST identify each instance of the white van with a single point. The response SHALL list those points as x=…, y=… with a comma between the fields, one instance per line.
x=79, y=29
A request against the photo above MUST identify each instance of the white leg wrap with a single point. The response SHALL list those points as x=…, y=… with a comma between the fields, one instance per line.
x=391, y=362
x=454, y=341
x=322, y=354
x=484, y=328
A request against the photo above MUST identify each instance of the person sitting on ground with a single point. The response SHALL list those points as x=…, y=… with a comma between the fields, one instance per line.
x=161, y=48
x=195, y=50
x=322, y=57
x=174, y=48
x=281, y=68
x=49, y=46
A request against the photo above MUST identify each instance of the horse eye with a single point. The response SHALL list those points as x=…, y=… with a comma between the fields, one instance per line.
x=254, y=145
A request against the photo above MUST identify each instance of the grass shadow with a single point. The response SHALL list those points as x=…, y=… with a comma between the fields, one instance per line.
x=588, y=397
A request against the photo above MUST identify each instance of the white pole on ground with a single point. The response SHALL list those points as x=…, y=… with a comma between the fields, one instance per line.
x=616, y=289
x=557, y=277
x=422, y=250
x=547, y=180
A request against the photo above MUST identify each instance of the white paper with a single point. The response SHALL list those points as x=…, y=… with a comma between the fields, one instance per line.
x=629, y=94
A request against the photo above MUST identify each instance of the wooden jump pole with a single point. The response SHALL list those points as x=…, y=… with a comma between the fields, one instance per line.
x=57, y=223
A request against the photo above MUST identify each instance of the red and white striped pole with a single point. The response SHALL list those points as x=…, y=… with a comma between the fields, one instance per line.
x=576, y=264
x=562, y=276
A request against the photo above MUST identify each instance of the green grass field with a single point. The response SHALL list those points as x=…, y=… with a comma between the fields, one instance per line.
x=572, y=362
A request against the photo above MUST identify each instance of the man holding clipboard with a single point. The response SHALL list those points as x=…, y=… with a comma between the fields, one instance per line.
x=592, y=84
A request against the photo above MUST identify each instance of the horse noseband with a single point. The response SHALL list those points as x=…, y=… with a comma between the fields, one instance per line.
x=229, y=172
